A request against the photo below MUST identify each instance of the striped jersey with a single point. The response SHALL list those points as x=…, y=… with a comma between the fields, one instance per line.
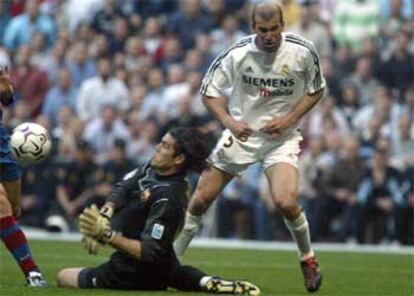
x=264, y=85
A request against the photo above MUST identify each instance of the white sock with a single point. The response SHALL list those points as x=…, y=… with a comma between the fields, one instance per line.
x=299, y=229
x=190, y=229
x=204, y=280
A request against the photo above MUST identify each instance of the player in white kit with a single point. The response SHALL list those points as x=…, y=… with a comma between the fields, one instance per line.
x=275, y=78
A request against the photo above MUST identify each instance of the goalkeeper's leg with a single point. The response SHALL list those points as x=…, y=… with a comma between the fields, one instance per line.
x=209, y=186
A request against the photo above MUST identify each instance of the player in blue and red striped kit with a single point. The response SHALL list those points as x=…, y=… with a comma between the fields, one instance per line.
x=10, y=232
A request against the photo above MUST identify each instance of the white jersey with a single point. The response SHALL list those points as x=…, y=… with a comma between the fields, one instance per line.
x=264, y=85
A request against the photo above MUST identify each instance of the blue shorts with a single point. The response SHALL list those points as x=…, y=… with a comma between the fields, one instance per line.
x=9, y=168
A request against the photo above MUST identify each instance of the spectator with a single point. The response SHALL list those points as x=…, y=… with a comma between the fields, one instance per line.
x=402, y=154
x=79, y=12
x=38, y=44
x=80, y=66
x=332, y=78
x=54, y=61
x=146, y=8
x=339, y=191
x=110, y=173
x=144, y=138
x=311, y=170
x=104, y=19
x=225, y=35
x=64, y=94
x=63, y=135
x=101, y=133
x=363, y=79
x=378, y=195
x=327, y=113
x=30, y=82
x=172, y=53
x=405, y=213
x=352, y=29
x=5, y=18
x=399, y=68
x=74, y=183
x=118, y=38
x=349, y=101
x=153, y=104
x=191, y=16
x=99, y=48
x=22, y=28
x=153, y=37
x=134, y=50
x=395, y=14
x=100, y=91
x=312, y=30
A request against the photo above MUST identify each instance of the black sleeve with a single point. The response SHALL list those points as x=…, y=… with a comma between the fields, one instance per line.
x=164, y=220
x=122, y=193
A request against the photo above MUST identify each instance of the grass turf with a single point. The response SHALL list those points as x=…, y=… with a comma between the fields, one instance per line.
x=275, y=272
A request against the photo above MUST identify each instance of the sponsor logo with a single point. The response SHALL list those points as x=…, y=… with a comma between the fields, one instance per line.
x=268, y=93
x=271, y=87
x=157, y=231
x=268, y=82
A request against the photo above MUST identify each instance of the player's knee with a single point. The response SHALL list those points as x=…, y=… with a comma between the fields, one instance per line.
x=60, y=278
x=287, y=204
x=67, y=278
x=200, y=202
x=198, y=206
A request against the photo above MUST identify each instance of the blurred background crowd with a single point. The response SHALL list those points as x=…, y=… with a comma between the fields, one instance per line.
x=108, y=78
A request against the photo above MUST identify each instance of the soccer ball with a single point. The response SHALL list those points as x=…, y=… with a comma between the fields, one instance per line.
x=30, y=143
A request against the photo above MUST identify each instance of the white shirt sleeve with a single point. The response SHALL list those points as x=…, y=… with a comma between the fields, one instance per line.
x=219, y=77
x=314, y=80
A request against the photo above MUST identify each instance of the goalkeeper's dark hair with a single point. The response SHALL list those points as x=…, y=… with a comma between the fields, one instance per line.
x=194, y=145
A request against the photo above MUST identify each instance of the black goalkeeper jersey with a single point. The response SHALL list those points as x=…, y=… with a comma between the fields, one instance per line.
x=152, y=211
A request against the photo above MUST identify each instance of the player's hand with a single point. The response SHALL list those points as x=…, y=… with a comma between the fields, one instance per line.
x=6, y=87
x=277, y=126
x=92, y=245
x=239, y=129
x=92, y=223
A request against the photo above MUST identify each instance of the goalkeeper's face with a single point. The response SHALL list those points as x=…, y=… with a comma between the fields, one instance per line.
x=165, y=160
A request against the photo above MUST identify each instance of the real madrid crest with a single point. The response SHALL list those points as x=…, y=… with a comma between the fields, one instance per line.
x=285, y=71
x=145, y=195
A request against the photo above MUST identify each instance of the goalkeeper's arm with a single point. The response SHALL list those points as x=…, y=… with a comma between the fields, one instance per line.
x=132, y=247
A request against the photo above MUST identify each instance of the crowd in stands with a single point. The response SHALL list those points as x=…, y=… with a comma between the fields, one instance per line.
x=108, y=78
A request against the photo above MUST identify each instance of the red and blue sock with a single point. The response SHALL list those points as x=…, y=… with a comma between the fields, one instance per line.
x=15, y=240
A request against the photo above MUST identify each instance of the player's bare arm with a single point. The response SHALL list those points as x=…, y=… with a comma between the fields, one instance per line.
x=278, y=126
x=127, y=245
x=218, y=107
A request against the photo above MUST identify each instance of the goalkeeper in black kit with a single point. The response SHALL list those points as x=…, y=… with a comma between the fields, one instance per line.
x=151, y=200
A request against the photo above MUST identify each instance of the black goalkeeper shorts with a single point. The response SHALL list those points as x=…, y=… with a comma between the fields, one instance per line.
x=105, y=276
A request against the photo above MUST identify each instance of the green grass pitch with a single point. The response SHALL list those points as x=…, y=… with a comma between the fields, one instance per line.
x=275, y=272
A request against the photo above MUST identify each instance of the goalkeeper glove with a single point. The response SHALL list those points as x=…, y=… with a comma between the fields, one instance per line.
x=92, y=245
x=92, y=223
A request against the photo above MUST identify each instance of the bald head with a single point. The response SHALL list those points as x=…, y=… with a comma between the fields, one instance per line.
x=267, y=11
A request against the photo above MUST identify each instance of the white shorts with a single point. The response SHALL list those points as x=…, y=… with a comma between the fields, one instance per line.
x=234, y=156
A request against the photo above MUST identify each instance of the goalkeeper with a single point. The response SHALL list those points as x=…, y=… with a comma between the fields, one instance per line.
x=151, y=200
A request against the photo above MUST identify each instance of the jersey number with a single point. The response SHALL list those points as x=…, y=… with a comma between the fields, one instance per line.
x=229, y=142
